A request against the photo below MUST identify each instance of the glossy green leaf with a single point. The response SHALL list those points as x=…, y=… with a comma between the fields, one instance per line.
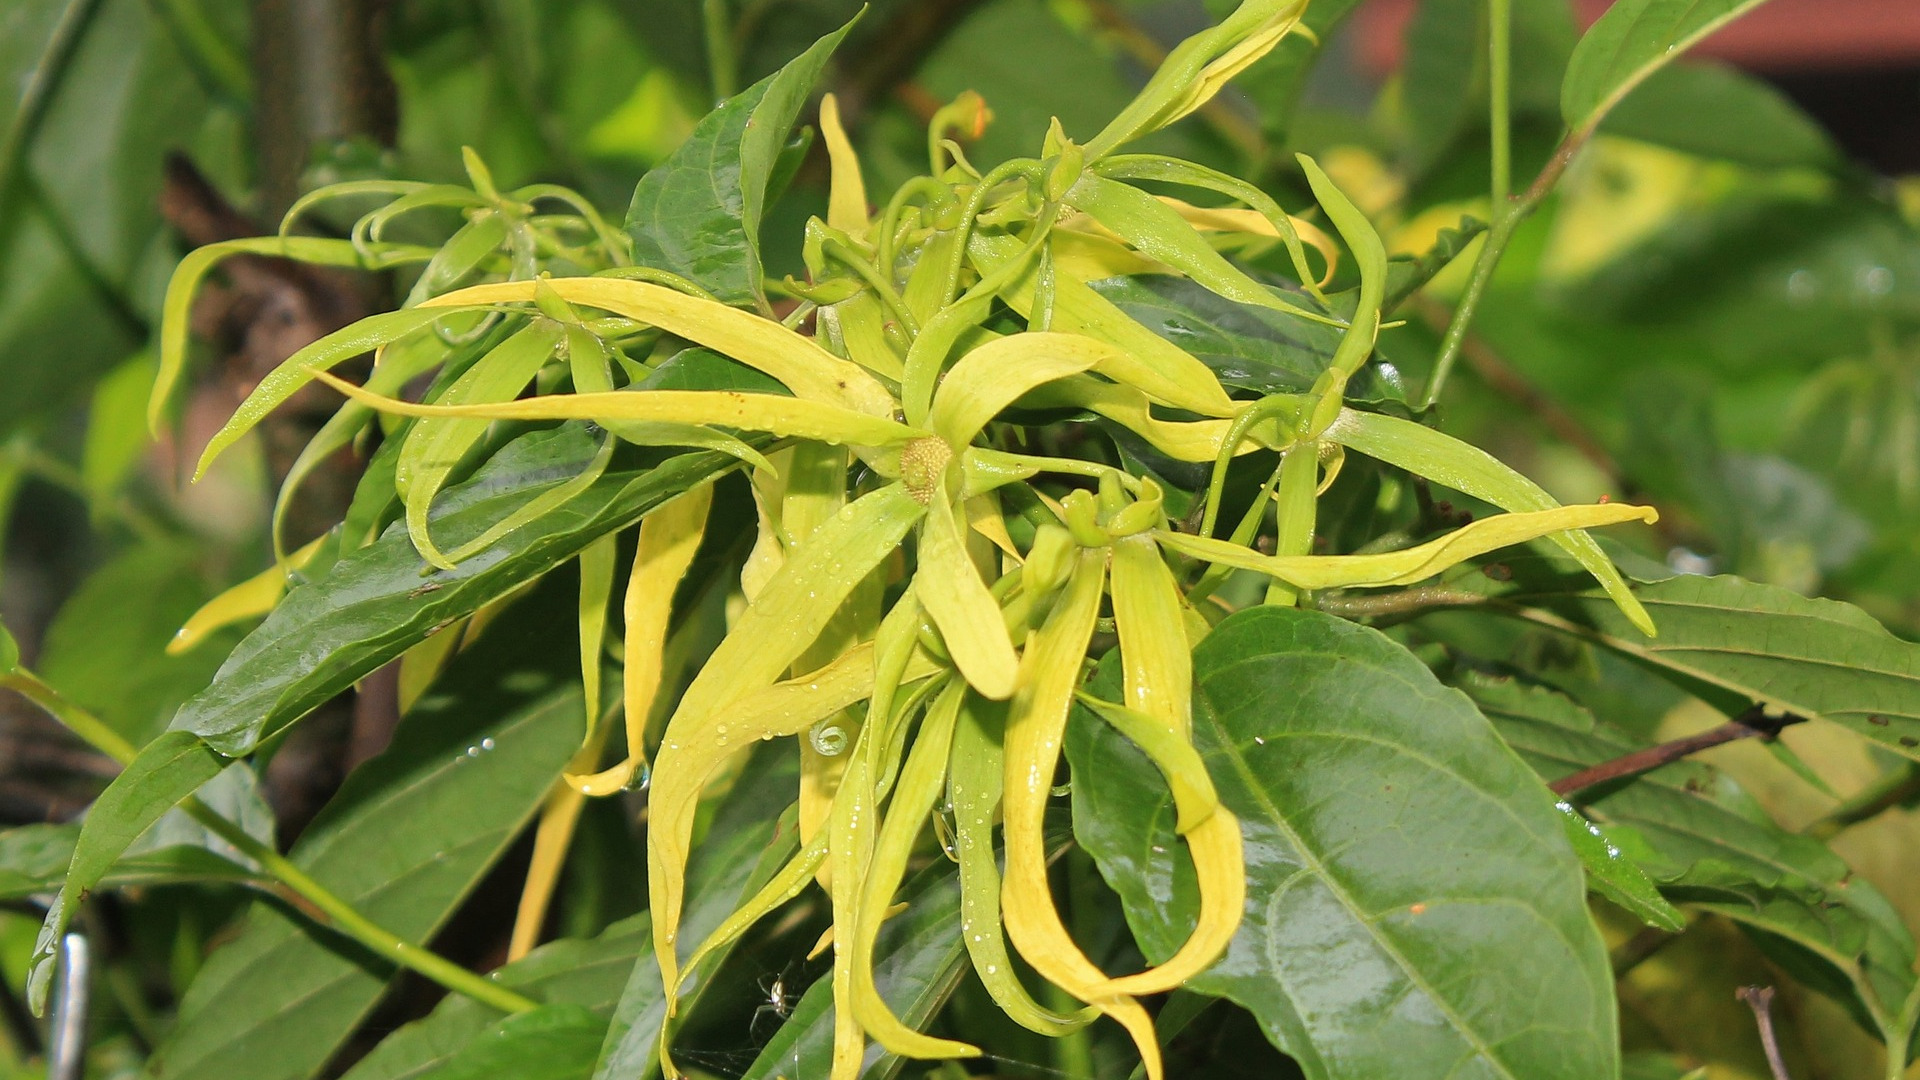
x=1246, y=347
x=1738, y=642
x=297, y=371
x=34, y=858
x=1628, y=44
x=376, y=602
x=9, y=651
x=405, y=839
x=169, y=769
x=1716, y=111
x=1706, y=842
x=917, y=963
x=698, y=213
x=1613, y=874
x=586, y=973
x=1382, y=936
x=553, y=1042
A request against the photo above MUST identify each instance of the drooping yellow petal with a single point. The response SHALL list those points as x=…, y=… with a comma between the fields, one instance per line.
x=1147, y=361
x=176, y=321
x=961, y=606
x=669, y=537
x=846, y=191
x=1412, y=564
x=974, y=784
x=708, y=725
x=981, y=384
x=771, y=413
x=1158, y=669
x=859, y=324
x=250, y=599
x=596, y=590
x=1158, y=231
x=797, y=361
x=437, y=445
x=1190, y=440
x=1036, y=722
x=1464, y=467
x=919, y=785
x=851, y=828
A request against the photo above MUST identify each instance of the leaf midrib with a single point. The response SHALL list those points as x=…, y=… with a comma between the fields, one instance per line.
x=1312, y=862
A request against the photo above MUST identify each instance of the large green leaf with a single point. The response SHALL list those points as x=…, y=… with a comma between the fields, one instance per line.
x=378, y=601
x=1735, y=642
x=698, y=212
x=1413, y=906
x=744, y=846
x=408, y=835
x=1706, y=841
x=33, y=860
x=553, y=1042
x=601, y=975
x=168, y=769
x=586, y=974
x=1720, y=112
x=1250, y=348
x=917, y=963
x=1628, y=44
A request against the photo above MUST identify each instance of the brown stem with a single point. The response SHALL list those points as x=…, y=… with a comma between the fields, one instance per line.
x=1760, y=1000
x=1753, y=723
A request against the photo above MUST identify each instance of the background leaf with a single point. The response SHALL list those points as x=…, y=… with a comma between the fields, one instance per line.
x=1381, y=937
x=916, y=964
x=467, y=768
x=698, y=213
x=1632, y=40
x=1714, y=111
x=375, y=603
x=1705, y=841
x=106, y=649
x=1734, y=642
x=746, y=842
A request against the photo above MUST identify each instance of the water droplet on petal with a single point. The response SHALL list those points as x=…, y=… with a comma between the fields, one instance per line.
x=828, y=739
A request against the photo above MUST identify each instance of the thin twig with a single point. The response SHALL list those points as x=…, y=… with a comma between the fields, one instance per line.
x=1760, y=1000
x=1506, y=222
x=1753, y=723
